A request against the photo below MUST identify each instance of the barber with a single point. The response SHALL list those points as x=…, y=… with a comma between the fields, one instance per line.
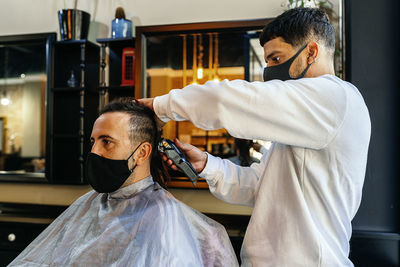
x=307, y=189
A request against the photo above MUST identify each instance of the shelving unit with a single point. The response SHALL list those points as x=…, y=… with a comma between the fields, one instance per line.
x=71, y=110
x=113, y=88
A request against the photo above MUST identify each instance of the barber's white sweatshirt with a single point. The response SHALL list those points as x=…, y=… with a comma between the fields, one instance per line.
x=307, y=189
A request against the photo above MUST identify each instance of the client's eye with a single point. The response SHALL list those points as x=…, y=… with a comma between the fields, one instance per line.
x=276, y=59
x=106, y=142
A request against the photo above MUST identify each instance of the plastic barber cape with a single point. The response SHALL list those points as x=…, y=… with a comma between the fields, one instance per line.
x=138, y=225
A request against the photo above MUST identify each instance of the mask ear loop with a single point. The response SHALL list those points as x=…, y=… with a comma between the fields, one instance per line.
x=293, y=59
x=309, y=65
x=305, y=71
x=131, y=170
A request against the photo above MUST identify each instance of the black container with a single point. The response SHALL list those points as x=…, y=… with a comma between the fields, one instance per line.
x=74, y=24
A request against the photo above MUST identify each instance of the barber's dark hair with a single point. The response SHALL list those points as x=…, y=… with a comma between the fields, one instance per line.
x=143, y=128
x=298, y=26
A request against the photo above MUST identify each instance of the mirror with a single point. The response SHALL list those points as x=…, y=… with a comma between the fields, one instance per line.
x=24, y=81
x=174, y=56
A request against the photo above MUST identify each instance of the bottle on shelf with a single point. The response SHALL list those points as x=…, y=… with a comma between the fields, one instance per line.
x=72, y=81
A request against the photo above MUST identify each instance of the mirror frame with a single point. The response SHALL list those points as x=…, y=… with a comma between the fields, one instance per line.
x=48, y=39
x=142, y=32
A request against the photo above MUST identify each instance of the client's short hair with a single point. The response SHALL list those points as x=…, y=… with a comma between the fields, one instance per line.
x=143, y=128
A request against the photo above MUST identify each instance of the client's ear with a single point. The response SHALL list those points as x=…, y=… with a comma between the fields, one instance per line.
x=143, y=154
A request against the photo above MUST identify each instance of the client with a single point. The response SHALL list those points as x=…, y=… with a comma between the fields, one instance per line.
x=131, y=220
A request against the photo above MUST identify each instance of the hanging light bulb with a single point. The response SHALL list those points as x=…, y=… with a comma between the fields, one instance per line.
x=194, y=63
x=200, y=71
x=210, y=56
x=184, y=62
x=216, y=63
x=5, y=101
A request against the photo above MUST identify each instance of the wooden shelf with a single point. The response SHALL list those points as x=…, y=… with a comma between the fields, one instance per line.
x=74, y=89
x=77, y=42
x=114, y=87
x=129, y=40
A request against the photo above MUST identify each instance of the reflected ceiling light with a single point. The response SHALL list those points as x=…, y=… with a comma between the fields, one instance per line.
x=210, y=56
x=194, y=63
x=22, y=75
x=216, y=64
x=5, y=101
x=184, y=61
x=200, y=58
x=200, y=73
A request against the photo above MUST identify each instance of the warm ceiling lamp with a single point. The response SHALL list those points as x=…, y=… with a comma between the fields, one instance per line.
x=5, y=101
x=216, y=64
x=194, y=63
x=200, y=71
x=210, y=56
x=184, y=61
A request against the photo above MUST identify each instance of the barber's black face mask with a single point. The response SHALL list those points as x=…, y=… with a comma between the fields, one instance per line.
x=107, y=175
x=281, y=71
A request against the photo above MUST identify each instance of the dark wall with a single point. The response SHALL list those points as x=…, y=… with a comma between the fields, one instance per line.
x=372, y=54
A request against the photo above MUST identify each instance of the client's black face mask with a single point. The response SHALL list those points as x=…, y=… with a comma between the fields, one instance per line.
x=281, y=71
x=107, y=175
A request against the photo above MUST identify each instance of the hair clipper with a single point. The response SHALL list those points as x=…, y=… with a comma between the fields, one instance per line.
x=178, y=158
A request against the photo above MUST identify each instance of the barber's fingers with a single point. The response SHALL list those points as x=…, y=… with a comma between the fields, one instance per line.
x=147, y=102
x=195, y=156
x=183, y=146
x=169, y=162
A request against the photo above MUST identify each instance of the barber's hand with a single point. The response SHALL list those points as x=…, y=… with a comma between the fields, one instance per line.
x=256, y=146
x=148, y=102
x=195, y=156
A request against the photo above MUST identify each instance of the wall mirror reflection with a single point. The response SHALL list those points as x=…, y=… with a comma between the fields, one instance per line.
x=24, y=66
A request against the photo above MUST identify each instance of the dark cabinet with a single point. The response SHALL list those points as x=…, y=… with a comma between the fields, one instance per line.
x=15, y=237
x=121, y=68
x=20, y=224
x=72, y=108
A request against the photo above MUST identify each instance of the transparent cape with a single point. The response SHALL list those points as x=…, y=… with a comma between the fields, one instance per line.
x=138, y=225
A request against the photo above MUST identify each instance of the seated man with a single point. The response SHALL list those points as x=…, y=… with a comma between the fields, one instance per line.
x=131, y=220
x=242, y=150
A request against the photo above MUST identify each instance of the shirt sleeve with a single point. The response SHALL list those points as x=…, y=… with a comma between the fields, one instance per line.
x=232, y=183
x=305, y=112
